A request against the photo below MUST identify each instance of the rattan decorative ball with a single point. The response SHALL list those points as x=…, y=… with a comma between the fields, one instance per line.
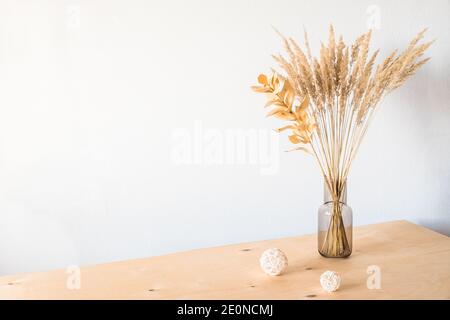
x=330, y=281
x=273, y=261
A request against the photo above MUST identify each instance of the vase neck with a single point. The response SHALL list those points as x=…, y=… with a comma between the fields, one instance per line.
x=328, y=195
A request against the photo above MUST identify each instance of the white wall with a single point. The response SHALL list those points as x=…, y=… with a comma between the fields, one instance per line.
x=94, y=96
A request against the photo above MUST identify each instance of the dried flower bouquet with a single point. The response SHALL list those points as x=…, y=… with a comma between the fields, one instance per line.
x=329, y=102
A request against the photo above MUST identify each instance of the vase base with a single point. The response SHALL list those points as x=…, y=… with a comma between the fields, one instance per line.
x=345, y=255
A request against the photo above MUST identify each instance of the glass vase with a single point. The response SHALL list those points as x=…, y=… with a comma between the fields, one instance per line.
x=335, y=223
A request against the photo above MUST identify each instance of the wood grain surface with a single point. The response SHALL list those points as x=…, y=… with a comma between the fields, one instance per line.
x=414, y=263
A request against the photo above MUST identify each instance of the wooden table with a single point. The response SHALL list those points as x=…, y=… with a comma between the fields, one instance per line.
x=414, y=263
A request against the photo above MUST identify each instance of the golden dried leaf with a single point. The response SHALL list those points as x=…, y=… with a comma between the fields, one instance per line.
x=260, y=89
x=285, y=128
x=262, y=78
x=275, y=111
x=269, y=103
x=294, y=139
x=271, y=95
x=299, y=149
x=311, y=127
x=276, y=102
x=305, y=102
x=285, y=116
x=301, y=114
x=289, y=98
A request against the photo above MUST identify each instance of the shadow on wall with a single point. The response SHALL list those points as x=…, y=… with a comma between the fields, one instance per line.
x=439, y=225
x=430, y=98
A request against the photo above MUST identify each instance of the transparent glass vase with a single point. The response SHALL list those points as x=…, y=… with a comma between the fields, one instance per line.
x=335, y=224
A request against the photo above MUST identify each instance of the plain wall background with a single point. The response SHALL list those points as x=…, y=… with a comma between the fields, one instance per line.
x=92, y=94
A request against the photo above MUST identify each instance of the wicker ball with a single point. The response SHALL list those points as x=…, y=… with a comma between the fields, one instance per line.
x=273, y=261
x=330, y=281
